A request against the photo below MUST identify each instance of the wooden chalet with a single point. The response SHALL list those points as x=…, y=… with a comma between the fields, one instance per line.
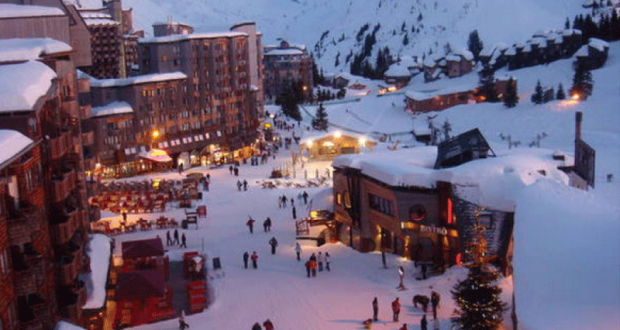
x=593, y=55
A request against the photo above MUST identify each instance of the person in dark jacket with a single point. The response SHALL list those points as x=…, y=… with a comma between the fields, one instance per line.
x=268, y=325
x=168, y=238
x=273, y=242
x=375, y=309
x=183, y=241
x=246, y=257
x=256, y=326
x=176, y=237
x=423, y=323
x=308, y=267
x=250, y=224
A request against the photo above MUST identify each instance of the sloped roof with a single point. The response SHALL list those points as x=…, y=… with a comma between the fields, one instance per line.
x=23, y=84
x=151, y=247
x=141, y=284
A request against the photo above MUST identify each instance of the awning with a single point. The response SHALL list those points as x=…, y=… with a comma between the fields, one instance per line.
x=156, y=155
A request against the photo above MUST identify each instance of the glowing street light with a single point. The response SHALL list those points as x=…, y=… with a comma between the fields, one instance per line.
x=337, y=134
x=309, y=143
x=155, y=134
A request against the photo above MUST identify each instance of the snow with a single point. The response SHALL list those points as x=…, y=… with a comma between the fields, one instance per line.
x=280, y=51
x=148, y=78
x=23, y=84
x=397, y=70
x=12, y=143
x=30, y=49
x=85, y=4
x=98, y=250
x=64, y=325
x=13, y=11
x=599, y=44
x=100, y=21
x=429, y=94
x=112, y=108
x=179, y=37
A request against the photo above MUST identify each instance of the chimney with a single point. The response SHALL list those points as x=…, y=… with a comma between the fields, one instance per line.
x=578, y=119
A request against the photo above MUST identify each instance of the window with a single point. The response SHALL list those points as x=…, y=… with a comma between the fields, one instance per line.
x=380, y=204
x=4, y=263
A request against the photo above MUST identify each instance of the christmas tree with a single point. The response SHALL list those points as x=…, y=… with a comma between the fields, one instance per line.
x=477, y=297
x=320, y=122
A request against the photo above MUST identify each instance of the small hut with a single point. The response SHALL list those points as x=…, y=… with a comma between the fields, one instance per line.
x=329, y=145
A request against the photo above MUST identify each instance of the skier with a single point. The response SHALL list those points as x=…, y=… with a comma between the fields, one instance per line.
x=268, y=325
x=176, y=237
x=395, y=309
x=250, y=224
x=320, y=261
x=327, y=260
x=246, y=256
x=423, y=323
x=273, y=242
x=375, y=310
x=254, y=258
x=298, y=251
x=183, y=241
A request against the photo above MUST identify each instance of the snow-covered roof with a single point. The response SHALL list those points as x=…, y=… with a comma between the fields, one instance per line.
x=30, y=49
x=180, y=37
x=583, y=52
x=425, y=95
x=155, y=77
x=487, y=51
x=570, y=32
x=85, y=4
x=397, y=70
x=12, y=143
x=113, y=108
x=281, y=51
x=599, y=44
x=316, y=135
x=98, y=251
x=496, y=177
x=21, y=85
x=64, y=325
x=466, y=54
x=100, y=21
x=511, y=52
x=429, y=62
x=12, y=11
x=322, y=200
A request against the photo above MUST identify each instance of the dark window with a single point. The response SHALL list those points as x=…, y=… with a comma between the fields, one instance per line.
x=381, y=204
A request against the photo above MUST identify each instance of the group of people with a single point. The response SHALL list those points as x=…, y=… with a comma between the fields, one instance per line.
x=266, y=224
x=267, y=324
x=315, y=262
x=174, y=239
x=234, y=170
x=253, y=257
x=243, y=184
x=396, y=311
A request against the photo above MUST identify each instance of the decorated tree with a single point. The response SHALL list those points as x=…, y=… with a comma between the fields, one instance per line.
x=477, y=297
x=320, y=122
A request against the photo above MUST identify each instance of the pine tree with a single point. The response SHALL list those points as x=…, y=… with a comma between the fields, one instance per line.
x=477, y=297
x=474, y=44
x=537, y=97
x=567, y=24
x=510, y=97
x=560, y=95
x=405, y=40
x=582, y=83
x=320, y=121
x=487, y=84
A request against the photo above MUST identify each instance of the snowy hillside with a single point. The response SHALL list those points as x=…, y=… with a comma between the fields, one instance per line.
x=428, y=24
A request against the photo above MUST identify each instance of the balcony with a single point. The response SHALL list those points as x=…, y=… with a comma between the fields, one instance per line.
x=94, y=214
x=62, y=231
x=68, y=269
x=70, y=298
x=60, y=145
x=62, y=185
x=71, y=107
x=23, y=222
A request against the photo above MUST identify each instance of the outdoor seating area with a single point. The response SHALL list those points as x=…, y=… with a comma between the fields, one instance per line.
x=146, y=196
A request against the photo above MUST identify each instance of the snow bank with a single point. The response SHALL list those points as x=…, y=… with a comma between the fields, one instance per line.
x=99, y=253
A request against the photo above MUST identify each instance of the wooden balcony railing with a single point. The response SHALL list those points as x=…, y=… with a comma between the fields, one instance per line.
x=60, y=145
x=62, y=186
x=62, y=232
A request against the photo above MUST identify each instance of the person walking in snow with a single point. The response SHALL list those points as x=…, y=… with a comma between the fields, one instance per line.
x=183, y=241
x=404, y=327
x=313, y=266
x=256, y=326
x=298, y=251
x=327, y=260
x=423, y=323
x=239, y=184
x=435, y=297
x=305, y=196
x=273, y=242
x=176, y=237
x=246, y=256
x=250, y=224
x=254, y=258
x=320, y=260
x=308, y=265
x=182, y=324
x=395, y=309
x=236, y=170
x=168, y=238
x=245, y=185
x=284, y=199
x=375, y=309
x=294, y=213
x=230, y=168
x=268, y=325
x=401, y=276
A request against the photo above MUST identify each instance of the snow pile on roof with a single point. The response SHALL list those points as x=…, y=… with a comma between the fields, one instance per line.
x=582, y=52
x=425, y=95
x=100, y=21
x=11, y=143
x=18, y=49
x=64, y=325
x=566, y=259
x=10, y=11
x=85, y=4
x=181, y=37
x=397, y=70
x=21, y=85
x=322, y=200
x=599, y=44
x=99, y=253
x=466, y=54
x=113, y=108
x=283, y=51
x=155, y=77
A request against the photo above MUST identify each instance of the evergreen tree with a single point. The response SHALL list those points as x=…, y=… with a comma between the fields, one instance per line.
x=487, y=84
x=567, y=24
x=405, y=40
x=560, y=95
x=477, y=297
x=510, y=97
x=582, y=83
x=320, y=121
x=474, y=44
x=537, y=97
x=316, y=79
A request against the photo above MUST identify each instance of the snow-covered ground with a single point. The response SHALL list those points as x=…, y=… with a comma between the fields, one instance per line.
x=567, y=262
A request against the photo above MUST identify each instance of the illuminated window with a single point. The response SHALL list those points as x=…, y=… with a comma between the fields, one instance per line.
x=347, y=199
x=338, y=199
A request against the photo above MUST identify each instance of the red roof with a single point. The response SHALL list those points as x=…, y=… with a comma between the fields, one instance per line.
x=152, y=247
x=140, y=284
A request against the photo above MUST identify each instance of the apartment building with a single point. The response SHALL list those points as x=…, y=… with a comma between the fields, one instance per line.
x=220, y=96
x=170, y=27
x=287, y=65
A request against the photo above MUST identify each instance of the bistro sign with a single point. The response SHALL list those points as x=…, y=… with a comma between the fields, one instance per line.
x=434, y=230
